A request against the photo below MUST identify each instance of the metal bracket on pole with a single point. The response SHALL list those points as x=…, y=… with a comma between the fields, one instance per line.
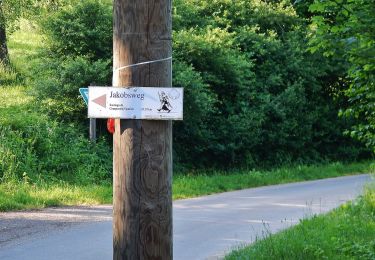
x=92, y=126
x=93, y=129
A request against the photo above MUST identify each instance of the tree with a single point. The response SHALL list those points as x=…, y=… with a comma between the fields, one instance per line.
x=346, y=28
x=12, y=10
x=3, y=40
x=245, y=69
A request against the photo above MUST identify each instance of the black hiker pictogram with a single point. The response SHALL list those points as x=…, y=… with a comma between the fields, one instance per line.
x=165, y=104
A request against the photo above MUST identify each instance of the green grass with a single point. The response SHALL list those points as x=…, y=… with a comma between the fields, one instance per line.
x=17, y=108
x=345, y=233
x=189, y=185
x=15, y=195
x=24, y=46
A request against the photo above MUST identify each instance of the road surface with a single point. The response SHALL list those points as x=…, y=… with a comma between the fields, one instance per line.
x=204, y=228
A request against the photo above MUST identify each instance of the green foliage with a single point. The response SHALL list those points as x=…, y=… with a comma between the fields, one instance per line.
x=278, y=16
x=16, y=155
x=227, y=73
x=82, y=29
x=36, y=148
x=79, y=40
x=7, y=75
x=199, y=103
x=346, y=29
x=58, y=81
x=13, y=10
x=246, y=72
x=345, y=233
x=254, y=58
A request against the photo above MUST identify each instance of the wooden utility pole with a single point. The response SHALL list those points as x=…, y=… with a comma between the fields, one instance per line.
x=142, y=161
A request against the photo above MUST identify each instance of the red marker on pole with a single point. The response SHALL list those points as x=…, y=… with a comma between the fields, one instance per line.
x=111, y=125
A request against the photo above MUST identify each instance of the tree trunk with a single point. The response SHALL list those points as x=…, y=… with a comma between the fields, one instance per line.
x=4, y=58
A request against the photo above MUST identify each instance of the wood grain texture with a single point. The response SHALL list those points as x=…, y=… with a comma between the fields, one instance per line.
x=142, y=159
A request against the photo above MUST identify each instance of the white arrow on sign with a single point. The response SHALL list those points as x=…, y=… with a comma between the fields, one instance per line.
x=101, y=101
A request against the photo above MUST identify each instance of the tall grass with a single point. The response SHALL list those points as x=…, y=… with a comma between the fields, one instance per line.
x=25, y=46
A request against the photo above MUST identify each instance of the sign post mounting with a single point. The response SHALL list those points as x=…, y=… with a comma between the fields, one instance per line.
x=142, y=149
x=92, y=132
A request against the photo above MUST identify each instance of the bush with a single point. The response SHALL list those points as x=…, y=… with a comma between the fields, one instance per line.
x=82, y=29
x=58, y=82
x=273, y=106
x=199, y=107
x=79, y=53
x=34, y=147
x=16, y=155
x=48, y=151
x=254, y=95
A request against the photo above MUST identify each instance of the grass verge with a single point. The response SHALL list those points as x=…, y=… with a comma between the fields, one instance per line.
x=345, y=233
x=16, y=196
x=25, y=195
x=189, y=185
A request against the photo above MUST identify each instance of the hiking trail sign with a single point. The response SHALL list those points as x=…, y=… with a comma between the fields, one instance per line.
x=136, y=103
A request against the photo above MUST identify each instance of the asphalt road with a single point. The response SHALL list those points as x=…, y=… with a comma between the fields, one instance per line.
x=204, y=228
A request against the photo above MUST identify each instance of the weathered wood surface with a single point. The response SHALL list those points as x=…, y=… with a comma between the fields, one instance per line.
x=142, y=149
